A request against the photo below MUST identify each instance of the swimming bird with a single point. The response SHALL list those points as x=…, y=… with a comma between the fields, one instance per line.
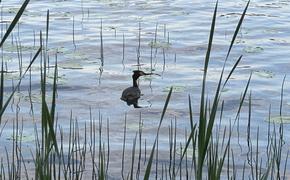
x=132, y=94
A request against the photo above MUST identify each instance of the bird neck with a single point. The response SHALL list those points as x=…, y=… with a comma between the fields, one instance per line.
x=135, y=82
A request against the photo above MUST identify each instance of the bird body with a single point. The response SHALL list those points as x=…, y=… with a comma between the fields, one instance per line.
x=132, y=94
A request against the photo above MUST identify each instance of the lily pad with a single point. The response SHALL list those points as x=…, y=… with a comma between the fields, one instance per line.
x=7, y=59
x=134, y=126
x=59, y=50
x=35, y=98
x=176, y=88
x=225, y=90
x=159, y=44
x=61, y=79
x=250, y=49
x=280, y=119
x=264, y=73
x=71, y=65
x=148, y=78
x=23, y=138
x=76, y=56
x=189, y=152
x=148, y=69
x=13, y=48
x=13, y=74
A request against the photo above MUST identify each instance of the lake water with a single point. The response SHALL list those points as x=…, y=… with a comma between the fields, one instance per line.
x=178, y=53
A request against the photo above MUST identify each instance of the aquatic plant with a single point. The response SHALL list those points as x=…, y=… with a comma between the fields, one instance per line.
x=85, y=152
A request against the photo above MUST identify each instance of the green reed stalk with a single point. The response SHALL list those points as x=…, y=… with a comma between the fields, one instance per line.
x=47, y=29
x=19, y=82
x=133, y=158
x=102, y=45
x=139, y=45
x=3, y=105
x=1, y=89
x=14, y=22
x=140, y=146
x=205, y=124
x=204, y=133
x=73, y=33
x=123, y=148
x=123, y=49
x=150, y=161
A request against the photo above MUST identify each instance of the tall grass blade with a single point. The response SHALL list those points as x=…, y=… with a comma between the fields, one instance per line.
x=1, y=89
x=123, y=149
x=202, y=117
x=47, y=28
x=19, y=82
x=149, y=165
x=191, y=136
x=232, y=70
x=133, y=158
x=150, y=160
x=222, y=159
x=232, y=42
x=102, y=45
x=54, y=90
x=165, y=108
x=282, y=94
x=243, y=97
x=49, y=117
x=266, y=174
x=285, y=167
x=237, y=29
x=14, y=22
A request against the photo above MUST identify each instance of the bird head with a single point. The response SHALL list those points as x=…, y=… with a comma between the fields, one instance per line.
x=138, y=73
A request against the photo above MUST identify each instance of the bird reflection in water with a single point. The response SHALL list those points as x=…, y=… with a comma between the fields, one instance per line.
x=132, y=94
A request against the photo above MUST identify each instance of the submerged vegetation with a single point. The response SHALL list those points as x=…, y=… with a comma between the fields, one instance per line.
x=206, y=151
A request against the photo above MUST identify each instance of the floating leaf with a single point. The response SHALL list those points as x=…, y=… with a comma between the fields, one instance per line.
x=159, y=44
x=23, y=138
x=250, y=49
x=148, y=69
x=134, y=126
x=13, y=47
x=35, y=98
x=76, y=56
x=176, y=88
x=61, y=79
x=189, y=152
x=71, y=65
x=280, y=119
x=148, y=78
x=264, y=73
x=225, y=90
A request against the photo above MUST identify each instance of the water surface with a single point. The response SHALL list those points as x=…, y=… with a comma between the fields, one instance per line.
x=178, y=54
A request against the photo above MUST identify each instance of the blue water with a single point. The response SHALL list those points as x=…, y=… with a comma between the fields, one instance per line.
x=182, y=37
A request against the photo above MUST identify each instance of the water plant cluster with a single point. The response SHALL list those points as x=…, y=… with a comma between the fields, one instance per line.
x=207, y=150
